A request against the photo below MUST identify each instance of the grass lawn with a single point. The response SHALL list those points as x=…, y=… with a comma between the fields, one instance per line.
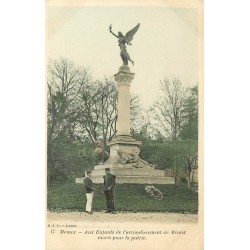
x=128, y=197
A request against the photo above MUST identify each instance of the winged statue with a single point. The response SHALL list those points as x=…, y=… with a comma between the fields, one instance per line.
x=123, y=40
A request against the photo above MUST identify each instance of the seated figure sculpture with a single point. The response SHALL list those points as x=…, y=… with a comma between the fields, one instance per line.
x=100, y=152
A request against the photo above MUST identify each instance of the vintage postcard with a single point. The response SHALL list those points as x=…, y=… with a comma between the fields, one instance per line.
x=124, y=87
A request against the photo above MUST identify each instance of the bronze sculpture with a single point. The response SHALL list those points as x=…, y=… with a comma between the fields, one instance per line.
x=100, y=152
x=122, y=42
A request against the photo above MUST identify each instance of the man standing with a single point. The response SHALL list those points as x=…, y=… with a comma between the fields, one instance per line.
x=88, y=184
x=109, y=183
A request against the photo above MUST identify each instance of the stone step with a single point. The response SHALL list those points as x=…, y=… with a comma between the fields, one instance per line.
x=112, y=165
x=119, y=166
x=129, y=172
x=134, y=179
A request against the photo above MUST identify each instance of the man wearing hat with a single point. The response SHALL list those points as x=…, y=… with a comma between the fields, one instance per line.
x=88, y=184
x=109, y=183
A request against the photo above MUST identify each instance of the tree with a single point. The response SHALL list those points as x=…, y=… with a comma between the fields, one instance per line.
x=142, y=127
x=135, y=111
x=65, y=81
x=98, y=110
x=190, y=115
x=191, y=167
x=168, y=110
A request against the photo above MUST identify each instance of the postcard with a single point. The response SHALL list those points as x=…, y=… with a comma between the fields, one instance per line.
x=124, y=87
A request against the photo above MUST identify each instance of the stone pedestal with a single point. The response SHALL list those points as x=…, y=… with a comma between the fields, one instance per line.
x=124, y=160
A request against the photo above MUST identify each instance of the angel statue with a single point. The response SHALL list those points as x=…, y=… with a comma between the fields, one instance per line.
x=122, y=42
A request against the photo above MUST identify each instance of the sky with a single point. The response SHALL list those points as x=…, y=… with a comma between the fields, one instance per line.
x=165, y=45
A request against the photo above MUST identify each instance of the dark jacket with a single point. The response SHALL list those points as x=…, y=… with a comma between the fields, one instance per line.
x=109, y=181
x=88, y=184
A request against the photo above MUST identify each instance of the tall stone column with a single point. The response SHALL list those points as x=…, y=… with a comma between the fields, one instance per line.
x=124, y=78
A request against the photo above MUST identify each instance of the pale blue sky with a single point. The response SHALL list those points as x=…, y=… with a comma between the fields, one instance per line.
x=166, y=43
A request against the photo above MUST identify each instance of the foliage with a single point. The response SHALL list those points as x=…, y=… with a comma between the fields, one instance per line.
x=168, y=110
x=127, y=197
x=191, y=167
x=169, y=155
x=142, y=129
x=71, y=160
x=98, y=112
x=190, y=115
x=65, y=82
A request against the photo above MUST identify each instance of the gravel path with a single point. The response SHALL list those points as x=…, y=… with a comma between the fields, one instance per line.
x=102, y=217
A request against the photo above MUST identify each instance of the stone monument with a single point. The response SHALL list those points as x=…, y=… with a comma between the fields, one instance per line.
x=124, y=160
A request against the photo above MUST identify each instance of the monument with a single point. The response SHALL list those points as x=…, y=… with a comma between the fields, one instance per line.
x=124, y=160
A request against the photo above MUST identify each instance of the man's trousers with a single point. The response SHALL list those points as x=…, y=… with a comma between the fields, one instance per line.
x=89, y=201
x=109, y=200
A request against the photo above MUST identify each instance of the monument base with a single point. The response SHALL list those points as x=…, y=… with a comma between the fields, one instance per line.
x=124, y=162
x=126, y=173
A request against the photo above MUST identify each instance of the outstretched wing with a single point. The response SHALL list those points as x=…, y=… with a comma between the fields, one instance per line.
x=130, y=34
